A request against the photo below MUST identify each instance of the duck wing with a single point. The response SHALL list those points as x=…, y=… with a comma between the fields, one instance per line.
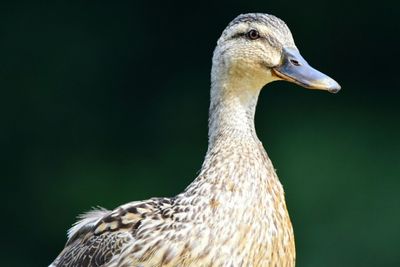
x=101, y=237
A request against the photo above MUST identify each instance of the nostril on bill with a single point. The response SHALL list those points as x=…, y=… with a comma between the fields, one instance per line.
x=295, y=62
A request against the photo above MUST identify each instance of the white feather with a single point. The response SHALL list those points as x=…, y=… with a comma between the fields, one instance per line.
x=88, y=219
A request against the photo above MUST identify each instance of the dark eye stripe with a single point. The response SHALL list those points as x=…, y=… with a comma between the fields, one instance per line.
x=246, y=35
x=238, y=35
x=271, y=40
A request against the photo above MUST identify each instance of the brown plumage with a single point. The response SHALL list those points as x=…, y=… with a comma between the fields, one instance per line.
x=234, y=212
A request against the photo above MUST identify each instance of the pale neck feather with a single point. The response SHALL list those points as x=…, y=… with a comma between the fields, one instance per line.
x=236, y=160
x=234, y=98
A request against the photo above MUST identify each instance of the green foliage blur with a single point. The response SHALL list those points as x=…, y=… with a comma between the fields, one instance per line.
x=106, y=102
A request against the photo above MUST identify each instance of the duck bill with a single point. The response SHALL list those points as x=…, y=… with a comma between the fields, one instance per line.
x=294, y=68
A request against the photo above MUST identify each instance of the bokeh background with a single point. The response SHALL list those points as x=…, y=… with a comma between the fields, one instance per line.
x=106, y=102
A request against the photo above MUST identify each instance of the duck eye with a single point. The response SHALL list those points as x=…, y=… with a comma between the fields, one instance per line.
x=253, y=34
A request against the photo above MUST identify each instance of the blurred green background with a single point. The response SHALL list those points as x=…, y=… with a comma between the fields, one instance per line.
x=103, y=103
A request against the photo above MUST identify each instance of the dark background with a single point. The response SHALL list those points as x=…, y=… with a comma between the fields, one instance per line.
x=104, y=103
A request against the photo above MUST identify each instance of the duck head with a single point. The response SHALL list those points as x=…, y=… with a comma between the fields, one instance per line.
x=256, y=49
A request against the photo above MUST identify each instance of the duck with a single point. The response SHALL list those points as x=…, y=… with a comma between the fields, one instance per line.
x=234, y=212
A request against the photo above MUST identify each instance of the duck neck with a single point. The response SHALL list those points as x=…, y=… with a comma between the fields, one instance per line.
x=232, y=110
x=236, y=168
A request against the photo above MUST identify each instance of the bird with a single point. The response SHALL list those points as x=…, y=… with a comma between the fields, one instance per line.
x=234, y=212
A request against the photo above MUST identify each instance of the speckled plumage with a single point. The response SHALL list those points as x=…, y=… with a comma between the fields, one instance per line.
x=234, y=212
